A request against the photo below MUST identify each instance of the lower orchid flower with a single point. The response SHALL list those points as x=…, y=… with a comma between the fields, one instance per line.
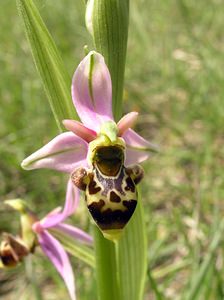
x=98, y=146
x=41, y=232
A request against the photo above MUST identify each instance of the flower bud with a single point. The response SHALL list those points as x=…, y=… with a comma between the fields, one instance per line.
x=27, y=219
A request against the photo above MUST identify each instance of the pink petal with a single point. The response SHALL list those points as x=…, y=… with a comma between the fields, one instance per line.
x=72, y=199
x=137, y=148
x=57, y=255
x=79, y=129
x=64, y=153
x=126, y=122
x=75, y=233
x=71, y=203
x=92, y=91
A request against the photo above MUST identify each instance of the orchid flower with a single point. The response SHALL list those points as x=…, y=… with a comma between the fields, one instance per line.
x=73, y=151
x=51, y=246
x=92, y=98
x=43, y=231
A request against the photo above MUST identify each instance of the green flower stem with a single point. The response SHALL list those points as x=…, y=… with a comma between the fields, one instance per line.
x=109, y=22
x=132, y=256
x=120, y=267
x=106, y=267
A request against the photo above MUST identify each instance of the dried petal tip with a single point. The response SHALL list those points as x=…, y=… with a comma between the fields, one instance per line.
x=12, y=251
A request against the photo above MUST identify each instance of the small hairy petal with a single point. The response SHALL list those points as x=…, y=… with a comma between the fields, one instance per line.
x=75, y=233
x=137, y=148
x=58, y=256
x=92, y=91
x=71, y=203
x=64, y=153
x=126, y=122
x=79, y=129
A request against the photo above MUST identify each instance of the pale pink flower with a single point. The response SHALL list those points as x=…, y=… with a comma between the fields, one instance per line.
x=92, y=98
x=51, y=246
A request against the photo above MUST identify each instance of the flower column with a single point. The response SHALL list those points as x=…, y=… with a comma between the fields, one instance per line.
x=107, y=21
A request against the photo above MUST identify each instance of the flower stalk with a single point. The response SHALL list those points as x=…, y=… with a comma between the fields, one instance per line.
x=107, y=21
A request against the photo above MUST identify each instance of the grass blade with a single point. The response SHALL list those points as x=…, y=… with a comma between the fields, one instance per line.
x=200, y=276
x=154, y=286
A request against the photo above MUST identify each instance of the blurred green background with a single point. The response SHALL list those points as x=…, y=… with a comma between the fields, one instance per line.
x=175, y=79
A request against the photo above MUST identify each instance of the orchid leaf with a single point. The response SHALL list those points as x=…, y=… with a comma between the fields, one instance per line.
x=48, y=62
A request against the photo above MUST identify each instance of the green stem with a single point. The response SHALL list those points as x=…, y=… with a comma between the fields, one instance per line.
x=121, y=267
x=110, y=32
x=106, y=267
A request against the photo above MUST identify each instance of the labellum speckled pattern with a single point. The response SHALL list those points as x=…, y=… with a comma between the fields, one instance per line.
x=110, y=189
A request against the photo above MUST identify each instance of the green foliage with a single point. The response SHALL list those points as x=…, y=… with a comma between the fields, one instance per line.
x=106, y=267
x=180, y=97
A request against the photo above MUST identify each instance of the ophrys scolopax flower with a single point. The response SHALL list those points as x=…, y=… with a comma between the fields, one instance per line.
x=100, y=155
x=41, y=232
